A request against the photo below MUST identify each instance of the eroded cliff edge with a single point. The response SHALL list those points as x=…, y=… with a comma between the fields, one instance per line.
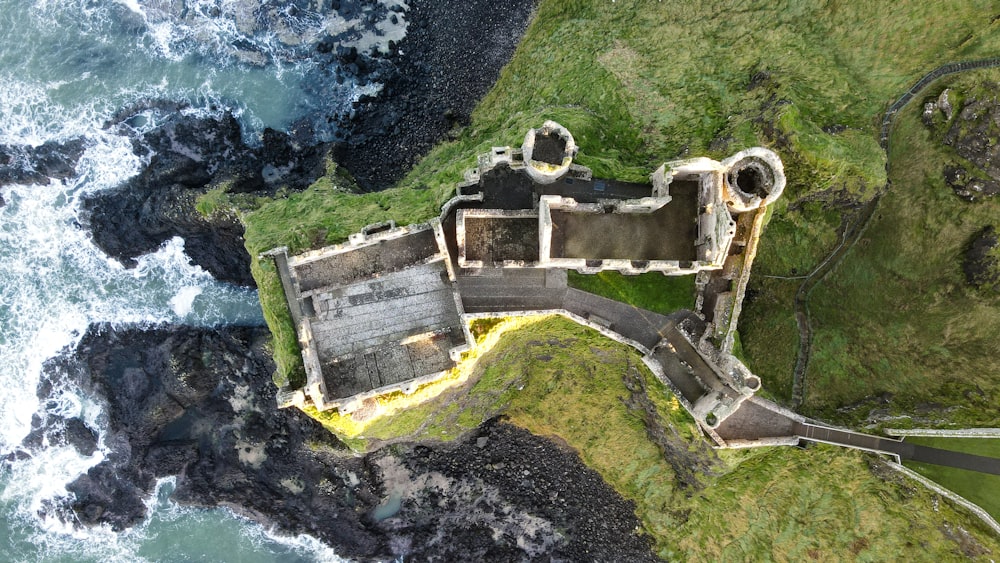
x=199, y=404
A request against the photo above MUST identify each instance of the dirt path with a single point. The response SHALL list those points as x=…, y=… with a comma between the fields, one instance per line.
x=856, y=226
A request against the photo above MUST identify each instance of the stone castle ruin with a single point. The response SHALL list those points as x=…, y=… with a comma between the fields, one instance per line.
x=389, y=310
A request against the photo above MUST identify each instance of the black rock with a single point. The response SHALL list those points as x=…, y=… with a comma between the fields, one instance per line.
x=58, y=431
x=450, y=59
x=510, y=498
x=41, y=164
x=199, y=404
x=980, y=264
x=974, y=134
x=81, y=436
x=968, y=187
x=190, y=156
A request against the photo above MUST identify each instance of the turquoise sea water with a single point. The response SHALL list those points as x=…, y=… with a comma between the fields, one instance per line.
x=66, y=66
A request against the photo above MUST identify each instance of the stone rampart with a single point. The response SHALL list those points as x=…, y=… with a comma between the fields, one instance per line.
x=946, y=433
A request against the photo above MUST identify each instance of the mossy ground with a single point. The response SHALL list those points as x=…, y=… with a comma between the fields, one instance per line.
x=897, y=316
x=639, y=83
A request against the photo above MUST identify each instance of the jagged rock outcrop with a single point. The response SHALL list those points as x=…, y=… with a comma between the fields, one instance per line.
x=448, y=60
x=189, y=156
x=199, y=404
x=41, y=164
x=973, y=131
x=503, y=494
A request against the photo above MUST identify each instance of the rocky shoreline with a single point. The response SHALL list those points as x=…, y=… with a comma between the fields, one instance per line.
x=39, y=165
x=431, y=80
x=450, y=58
x=187, y=157
x=199, y=404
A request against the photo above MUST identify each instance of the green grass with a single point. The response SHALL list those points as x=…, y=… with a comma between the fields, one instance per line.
x=556, y=378
x=533, y=355
x=212, y=201
x=897, y=316
x=651, y=291
x=980, y=488
x=768, y=332
x=770, y=505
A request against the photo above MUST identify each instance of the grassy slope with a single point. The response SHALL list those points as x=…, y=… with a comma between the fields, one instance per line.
x=896, y=316
x=559, y=379
x=771, y=505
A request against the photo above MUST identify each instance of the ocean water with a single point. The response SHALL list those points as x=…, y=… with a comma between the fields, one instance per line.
x=66, y=67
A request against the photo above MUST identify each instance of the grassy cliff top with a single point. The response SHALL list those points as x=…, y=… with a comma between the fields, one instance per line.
x=639, y=83
x=559, y=379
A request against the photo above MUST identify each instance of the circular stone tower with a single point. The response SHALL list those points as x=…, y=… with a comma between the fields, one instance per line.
x=753, y=178
x=548, y=151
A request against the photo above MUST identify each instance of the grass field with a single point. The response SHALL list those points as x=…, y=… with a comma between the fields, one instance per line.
x=980, y=488
x=897, y=316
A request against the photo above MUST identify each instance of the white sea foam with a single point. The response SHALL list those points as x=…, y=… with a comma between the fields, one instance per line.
x=303, y=544
x=184, y=300
x=133, y=5
x=54, y=282
x=44, y=476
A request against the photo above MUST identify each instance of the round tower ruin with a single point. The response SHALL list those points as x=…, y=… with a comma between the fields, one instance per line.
x=548, y=152
x=753, y=178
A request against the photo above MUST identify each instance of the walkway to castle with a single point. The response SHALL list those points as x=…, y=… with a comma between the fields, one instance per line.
x=905, y=450
x=546, y=290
